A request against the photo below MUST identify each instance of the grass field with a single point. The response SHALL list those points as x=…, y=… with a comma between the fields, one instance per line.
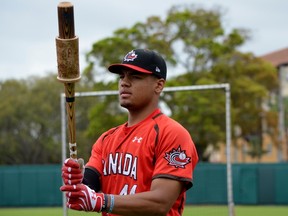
x=189, y=211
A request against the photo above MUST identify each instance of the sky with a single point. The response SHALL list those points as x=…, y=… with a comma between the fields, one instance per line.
x=29, y=27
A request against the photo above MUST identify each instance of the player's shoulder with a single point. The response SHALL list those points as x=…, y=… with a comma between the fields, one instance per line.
x=168, y=123
x=110, y=132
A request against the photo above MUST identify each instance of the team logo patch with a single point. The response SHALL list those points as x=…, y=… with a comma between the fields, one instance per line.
x=177, y=158
x=130, y=56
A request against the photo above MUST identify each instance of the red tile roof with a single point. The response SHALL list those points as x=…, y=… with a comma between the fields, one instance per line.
x=277, y=58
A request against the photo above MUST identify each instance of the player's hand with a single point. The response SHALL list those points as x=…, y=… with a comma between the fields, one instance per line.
x=73, y=171
x=80, y=197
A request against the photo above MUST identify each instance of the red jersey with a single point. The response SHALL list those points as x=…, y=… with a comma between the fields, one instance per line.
x=129, y=158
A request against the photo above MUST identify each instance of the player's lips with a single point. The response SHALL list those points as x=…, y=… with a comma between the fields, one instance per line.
x=124, y=93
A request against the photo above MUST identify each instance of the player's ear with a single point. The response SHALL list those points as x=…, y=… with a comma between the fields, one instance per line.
x=159, y=85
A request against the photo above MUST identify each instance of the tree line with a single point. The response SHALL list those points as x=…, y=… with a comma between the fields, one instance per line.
x=198, y=50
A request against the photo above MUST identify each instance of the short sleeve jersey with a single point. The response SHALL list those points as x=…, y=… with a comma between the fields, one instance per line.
x=129, y=158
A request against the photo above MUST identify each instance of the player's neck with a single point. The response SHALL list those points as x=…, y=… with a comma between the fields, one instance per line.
x=136, y=116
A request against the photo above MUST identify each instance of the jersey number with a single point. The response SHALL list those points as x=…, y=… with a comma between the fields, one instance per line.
x=124, y=190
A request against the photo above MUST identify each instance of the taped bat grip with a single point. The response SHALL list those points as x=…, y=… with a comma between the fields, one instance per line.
x=73, y=150
x=70, y=99
x=68, y=59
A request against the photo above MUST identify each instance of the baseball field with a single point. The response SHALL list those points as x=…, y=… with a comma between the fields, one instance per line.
x=189, y=211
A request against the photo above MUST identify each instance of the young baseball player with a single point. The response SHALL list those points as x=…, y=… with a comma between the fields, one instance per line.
x=144, y=166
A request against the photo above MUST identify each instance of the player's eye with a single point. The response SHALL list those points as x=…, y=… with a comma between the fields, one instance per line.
x=137, y=76
x=121, y=76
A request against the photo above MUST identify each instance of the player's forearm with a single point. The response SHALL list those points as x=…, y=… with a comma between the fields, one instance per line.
x=158, y=201
x=146, y=203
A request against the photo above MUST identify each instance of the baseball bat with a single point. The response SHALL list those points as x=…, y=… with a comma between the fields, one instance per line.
x=68, y=66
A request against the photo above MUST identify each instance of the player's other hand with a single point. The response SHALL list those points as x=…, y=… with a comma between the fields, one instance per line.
x=73, y=171
x=80, y=197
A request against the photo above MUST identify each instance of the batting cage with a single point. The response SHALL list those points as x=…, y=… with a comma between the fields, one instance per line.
x=199, y=197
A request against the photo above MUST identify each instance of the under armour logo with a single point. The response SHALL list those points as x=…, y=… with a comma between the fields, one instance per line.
x=137, y=139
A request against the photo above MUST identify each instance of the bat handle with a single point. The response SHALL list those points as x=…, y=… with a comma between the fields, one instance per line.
x=70, y=107
x=73, y=150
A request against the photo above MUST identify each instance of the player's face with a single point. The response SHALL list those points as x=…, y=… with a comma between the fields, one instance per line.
x=137, y=90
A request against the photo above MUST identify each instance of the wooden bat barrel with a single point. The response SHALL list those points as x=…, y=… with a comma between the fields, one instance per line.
x=67, y=45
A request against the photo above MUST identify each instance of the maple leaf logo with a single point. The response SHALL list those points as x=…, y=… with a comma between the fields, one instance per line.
x=130, y=56
x=177, y=158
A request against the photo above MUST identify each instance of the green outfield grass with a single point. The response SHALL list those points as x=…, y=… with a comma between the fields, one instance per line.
x=189, y=211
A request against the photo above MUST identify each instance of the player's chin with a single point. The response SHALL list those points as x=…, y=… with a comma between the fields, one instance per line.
x=125, y=104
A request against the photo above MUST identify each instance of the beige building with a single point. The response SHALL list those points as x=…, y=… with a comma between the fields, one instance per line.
x=279, y=59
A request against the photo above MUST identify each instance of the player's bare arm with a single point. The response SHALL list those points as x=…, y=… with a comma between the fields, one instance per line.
x=158, y=201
